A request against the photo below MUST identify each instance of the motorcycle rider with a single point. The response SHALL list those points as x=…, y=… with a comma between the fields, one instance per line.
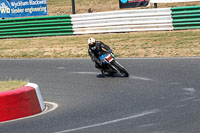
x=95, y=50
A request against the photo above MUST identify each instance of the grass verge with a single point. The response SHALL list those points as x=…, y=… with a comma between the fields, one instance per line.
x=11, y=85
x=134, y=44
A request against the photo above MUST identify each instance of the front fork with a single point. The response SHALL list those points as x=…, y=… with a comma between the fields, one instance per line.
x=114, y=67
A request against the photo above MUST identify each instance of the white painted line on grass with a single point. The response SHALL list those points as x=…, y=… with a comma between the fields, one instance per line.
x=112, y=121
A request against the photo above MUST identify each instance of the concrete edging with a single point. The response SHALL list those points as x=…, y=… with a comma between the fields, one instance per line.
x=21, y=102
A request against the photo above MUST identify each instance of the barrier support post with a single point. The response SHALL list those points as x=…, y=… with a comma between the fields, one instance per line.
x=155, y=5
x=73, y=7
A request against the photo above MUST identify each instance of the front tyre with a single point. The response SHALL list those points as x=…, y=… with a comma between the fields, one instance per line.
x=121, y=69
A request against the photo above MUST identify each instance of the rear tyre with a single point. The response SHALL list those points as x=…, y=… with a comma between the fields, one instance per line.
x=121, y=69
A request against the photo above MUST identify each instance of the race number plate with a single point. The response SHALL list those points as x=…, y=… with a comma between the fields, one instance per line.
x=109, y=58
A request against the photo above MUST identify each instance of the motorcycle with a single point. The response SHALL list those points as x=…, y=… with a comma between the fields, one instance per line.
x=111, y=66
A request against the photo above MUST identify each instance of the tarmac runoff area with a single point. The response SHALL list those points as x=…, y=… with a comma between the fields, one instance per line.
x=161, y=96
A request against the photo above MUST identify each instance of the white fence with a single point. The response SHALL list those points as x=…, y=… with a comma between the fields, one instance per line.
x=123, y=21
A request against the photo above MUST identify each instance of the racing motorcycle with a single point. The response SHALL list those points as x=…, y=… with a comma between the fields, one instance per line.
x=111, y=66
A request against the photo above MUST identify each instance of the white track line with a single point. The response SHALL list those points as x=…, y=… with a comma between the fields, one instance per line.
x=112, y=121
x=131, y=76
x=140, y=78
x=84, y=72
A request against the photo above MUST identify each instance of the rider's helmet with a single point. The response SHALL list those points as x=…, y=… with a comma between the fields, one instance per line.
x=91, y=41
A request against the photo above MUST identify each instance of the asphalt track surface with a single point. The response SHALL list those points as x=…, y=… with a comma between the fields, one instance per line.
x=162, y=95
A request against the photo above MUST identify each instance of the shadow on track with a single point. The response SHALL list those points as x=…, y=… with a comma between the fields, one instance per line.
x=110, y=76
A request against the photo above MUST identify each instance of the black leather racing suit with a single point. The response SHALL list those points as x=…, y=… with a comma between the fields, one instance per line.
x=96, y=51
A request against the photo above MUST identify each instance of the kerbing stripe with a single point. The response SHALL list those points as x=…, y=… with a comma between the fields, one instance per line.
x=40, y=99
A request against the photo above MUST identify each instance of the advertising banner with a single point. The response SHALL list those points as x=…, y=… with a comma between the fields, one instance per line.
x=171, y=1
x=21, y=8
x=132, y=3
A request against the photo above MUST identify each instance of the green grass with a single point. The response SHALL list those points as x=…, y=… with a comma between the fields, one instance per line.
x=11, y=85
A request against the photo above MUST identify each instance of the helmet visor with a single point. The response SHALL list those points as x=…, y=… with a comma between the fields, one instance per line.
x=91, y=44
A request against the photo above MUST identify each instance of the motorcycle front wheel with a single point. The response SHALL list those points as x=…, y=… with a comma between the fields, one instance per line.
x=120, y=68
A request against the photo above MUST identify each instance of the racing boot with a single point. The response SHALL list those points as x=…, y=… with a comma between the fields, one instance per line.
x=102, y=71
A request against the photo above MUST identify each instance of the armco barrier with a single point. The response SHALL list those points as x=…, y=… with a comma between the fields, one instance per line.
x=186, y=17
x=103, y=22
x=123, y=21
x=21, y=102
x=36, y=26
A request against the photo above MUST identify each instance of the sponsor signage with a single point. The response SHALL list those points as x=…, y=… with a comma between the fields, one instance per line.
x=171, y=1
x=132, y=3
x=21, y=8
